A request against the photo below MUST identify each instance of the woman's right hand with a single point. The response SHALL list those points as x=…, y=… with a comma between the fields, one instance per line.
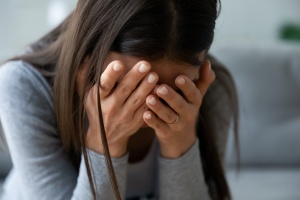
x=123, y=105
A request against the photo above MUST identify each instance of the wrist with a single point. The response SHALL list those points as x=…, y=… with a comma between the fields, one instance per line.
x=174, y=151
x=116, y=149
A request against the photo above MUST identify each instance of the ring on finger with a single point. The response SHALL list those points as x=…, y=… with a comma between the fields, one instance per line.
x=176, y=120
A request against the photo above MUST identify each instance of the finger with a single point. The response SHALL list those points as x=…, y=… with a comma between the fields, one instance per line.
x=140, y=94
x=109, y=77
x=189, y=89
x=130, y=81
x=162, y=111
x=154, y=122
x=138, y=114
x=207, y=76
x=172, y=98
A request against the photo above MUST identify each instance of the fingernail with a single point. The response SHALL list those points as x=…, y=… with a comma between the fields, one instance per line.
x=163, y=90
x=117, y=67
x=181, y=81
x=152, y=101
x=143, y=68
x=151, y=78
x=148, y=116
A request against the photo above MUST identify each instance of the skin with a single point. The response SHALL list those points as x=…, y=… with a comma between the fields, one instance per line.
x=131, y=92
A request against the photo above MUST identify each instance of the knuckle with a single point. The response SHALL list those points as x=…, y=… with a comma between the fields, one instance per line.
x=125, y=89
x=180, y=105
x=137, y=101
x=106, y=86
x=105, y=83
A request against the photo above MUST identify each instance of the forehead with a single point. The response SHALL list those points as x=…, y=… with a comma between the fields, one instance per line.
x=167, y=70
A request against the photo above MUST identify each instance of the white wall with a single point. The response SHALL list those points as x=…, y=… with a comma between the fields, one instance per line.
x=255, y=19
x=23, y=21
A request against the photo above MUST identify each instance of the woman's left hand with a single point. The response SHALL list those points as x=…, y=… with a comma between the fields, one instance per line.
x=175, y=123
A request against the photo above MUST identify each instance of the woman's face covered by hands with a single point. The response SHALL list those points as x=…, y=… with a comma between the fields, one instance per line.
x=163, y=95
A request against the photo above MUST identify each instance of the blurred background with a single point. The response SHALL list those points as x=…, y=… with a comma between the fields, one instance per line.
x=23, y=21
x=259, y=42
x=258, y=20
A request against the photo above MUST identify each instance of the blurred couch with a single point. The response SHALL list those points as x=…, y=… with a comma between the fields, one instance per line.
x=268, y=83
x=267, y=77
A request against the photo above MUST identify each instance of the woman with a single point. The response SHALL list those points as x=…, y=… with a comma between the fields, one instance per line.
x=107, y=105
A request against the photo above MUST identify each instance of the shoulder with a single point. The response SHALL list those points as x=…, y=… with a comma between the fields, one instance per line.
x=21, y=75
x=14, y=72
x=23, y=85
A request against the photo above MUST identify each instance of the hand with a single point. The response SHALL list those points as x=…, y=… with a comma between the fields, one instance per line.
x=175, y=123
x=123, y=105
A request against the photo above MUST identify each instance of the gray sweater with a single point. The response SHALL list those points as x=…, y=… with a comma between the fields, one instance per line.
x=41, y=168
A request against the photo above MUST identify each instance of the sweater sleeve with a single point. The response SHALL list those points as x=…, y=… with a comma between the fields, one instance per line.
x=182, y=178
x=43, y=169
x=101, y=176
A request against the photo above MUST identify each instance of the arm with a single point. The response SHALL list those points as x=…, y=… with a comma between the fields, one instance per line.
x=182, y=178
x=101, y=174
x=181, y=175
x=43, y=168
x=219, y=105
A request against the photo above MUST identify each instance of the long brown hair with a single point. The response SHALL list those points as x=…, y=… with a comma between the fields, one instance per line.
x=176, y=29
